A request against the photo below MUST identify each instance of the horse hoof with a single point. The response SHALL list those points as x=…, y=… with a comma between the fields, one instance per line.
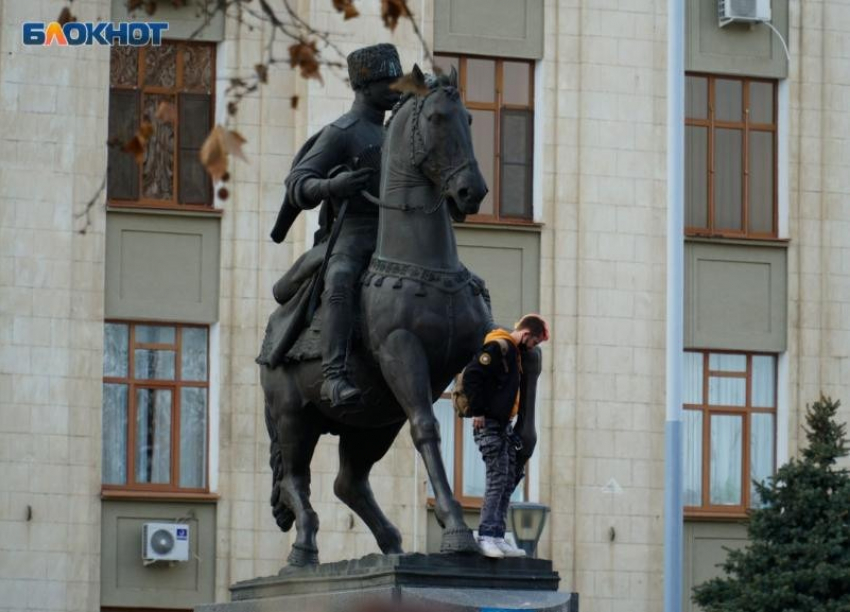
x=458, y=541
x=301, y=556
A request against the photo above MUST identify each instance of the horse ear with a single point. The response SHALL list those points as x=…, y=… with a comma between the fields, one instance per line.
x=453, y=77
x=418, y=77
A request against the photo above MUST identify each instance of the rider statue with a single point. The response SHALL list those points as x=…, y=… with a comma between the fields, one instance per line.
x=326, y=171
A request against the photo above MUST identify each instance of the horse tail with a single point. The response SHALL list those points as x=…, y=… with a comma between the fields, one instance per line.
x=283, y=514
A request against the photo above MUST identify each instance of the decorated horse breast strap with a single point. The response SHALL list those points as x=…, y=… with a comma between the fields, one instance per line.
x=446, y=281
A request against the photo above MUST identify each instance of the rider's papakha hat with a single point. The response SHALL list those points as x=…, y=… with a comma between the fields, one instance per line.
x=373, y=63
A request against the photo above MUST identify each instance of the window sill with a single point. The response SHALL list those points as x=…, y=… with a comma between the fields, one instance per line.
x=709, y=515
x=766, y=242
x=152, y=209
x=136, y=495
x=521, y=226
x=465, y=503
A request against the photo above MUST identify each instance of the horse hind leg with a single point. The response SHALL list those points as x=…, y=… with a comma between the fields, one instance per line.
x=359, y=450
x=294, y=436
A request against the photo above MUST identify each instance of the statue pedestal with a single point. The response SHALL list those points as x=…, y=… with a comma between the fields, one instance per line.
x=451, y=582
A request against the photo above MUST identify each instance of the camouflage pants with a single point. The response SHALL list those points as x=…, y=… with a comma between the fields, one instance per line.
x=498, y=446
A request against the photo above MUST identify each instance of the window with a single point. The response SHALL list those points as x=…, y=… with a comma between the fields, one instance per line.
x=730, y=424
x=172, y=88
x=463, y=461
x=155, y=384
x=499, y=95
x=730, y=157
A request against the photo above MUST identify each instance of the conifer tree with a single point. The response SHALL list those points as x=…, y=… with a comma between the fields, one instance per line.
x=798, y=556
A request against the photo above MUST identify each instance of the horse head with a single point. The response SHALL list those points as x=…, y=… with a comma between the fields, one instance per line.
x=441, y=143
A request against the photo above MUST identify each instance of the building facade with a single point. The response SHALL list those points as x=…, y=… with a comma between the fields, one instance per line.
x=128, y=330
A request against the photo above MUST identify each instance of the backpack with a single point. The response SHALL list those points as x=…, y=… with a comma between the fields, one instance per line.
x=460, y=401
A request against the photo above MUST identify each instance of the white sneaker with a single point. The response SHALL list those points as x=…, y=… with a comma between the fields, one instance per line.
x=489, y=548
x=509, y=550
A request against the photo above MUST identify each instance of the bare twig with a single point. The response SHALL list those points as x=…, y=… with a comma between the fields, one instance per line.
x=86, y=212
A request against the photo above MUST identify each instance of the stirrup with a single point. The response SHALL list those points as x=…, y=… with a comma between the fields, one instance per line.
x=339, y=391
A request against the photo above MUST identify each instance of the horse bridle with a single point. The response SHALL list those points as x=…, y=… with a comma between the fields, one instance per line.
x=415, y=132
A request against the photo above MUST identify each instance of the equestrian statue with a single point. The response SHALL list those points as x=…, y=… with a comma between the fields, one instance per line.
x=413, y=317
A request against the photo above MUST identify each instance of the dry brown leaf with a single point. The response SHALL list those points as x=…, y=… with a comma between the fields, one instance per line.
x=262, y=72
x=233, y=142
x=392, y=11
x=213, y=153
x=166, y=112
x=132, y=5
x=221, y=143
x=303, y=55
x=346, y=7
x=138, y=144
x=65, y=16
x=293, y=102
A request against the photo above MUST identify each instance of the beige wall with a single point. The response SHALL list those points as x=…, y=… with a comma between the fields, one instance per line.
x=53, y=106
x=603, y=285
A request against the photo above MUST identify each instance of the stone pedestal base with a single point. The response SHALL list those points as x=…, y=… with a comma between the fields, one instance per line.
x=452, y=583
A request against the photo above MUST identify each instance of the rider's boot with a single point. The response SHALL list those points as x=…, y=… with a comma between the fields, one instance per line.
x=336, y=331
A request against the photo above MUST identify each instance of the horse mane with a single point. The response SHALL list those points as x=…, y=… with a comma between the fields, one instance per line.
x=432, y=82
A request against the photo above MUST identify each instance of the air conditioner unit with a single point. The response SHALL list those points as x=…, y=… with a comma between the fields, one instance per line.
x=747, y=11
x=165, y=542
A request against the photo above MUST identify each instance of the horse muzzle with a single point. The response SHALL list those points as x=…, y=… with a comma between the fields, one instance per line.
x=467, y=189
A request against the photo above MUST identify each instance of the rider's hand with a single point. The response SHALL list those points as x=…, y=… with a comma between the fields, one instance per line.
x=347, y=184
x=477, y=422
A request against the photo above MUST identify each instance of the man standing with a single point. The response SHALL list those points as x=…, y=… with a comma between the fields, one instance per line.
x=326, y=170
x=492, y=383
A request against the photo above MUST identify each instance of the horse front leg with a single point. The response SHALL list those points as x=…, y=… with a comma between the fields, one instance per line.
x=404, y=365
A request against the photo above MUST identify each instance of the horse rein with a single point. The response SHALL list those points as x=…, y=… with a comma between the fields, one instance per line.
x=418, y=105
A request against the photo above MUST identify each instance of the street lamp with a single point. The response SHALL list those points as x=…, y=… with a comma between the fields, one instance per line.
x=528, y=520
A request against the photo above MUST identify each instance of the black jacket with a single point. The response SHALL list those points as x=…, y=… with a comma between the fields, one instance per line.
x=491, y=381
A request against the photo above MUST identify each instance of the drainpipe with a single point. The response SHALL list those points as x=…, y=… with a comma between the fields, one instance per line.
x=675, y=304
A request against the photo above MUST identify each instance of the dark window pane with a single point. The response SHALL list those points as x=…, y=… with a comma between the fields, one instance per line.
x=516, y=191
x=696, y=176
x=728, y=179
x=153, y=436
x=124, y=66
x=197, y=68
x=516, y=83
x=153, y=365
x=158, y=166
x=480, y=80
x=761, y=182
x=193, y=437
x=484, y=146
x=761, y=102
x=696, y=97
x=161, y=66
x=114, y=434
x=194, y=121
x=517, y=130
x=122, y=170
x=728, y=98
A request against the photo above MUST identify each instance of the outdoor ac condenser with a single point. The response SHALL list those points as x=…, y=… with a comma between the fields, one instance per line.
x=165, y=542
x=752, y=11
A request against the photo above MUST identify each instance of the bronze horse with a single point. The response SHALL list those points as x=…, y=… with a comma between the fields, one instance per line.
x=423, y=316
